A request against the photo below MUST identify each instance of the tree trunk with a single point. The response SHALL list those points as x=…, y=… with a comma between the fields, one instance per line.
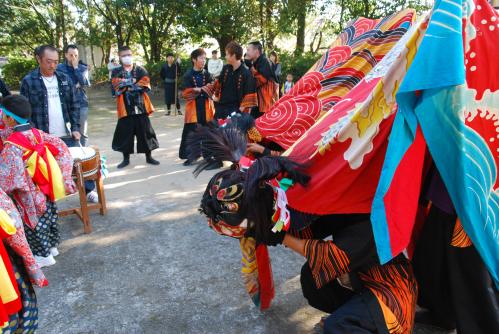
x=144, y=45
x=92, y=54
x=222, y=42
x=63, y=24
x=269, y=39
x=300, y=32
x=119, y=36
x=58, y=34
x=262, y=28
x=366, y=9
x=318, y=44
x=156, y=48
x=342, y=14
x=103, y=51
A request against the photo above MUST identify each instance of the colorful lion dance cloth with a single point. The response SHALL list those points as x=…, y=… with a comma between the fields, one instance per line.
x=346, y=148
x=450, y=99
x=355, y=53
x=434, y=93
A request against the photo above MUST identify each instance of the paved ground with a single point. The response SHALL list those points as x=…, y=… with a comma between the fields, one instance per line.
x=152, y=265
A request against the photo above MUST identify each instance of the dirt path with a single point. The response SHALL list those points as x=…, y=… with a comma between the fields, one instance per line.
x=152, y=265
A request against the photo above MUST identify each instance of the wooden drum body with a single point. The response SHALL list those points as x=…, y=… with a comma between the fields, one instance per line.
x=88, y=159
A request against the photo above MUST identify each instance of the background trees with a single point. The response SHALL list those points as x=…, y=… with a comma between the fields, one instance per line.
x=298, y=28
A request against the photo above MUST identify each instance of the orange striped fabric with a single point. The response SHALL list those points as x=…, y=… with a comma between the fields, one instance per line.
x=268, y=95
x=189, y=94
x=459, y=238
x=395, y=288
x=249, y=101
x=267, y=91
x=306, y=233
x=190, y=115
x=326, y=260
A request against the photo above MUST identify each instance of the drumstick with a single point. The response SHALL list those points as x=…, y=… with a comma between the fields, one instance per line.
x=81, y=147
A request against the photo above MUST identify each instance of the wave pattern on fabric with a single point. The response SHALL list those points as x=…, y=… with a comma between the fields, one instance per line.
x=358, y=49
x=345, y=149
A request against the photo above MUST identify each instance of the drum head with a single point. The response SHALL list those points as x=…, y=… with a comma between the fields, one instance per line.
x=81, y=153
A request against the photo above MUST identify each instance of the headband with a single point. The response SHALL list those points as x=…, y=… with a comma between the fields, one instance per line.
x=18, y=119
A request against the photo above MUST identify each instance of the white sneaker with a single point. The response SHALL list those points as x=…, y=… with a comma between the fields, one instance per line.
x=93, y=197
x=45, y=261
x=54, y=251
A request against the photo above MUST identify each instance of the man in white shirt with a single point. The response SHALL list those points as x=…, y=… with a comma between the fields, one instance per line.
x=52, y=96
x=215, y=64
x=54, y=104
x=57, y=126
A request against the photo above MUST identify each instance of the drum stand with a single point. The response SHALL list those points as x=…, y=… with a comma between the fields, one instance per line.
x=83, y=211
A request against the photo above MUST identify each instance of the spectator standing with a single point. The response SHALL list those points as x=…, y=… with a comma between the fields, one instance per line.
x=198, y=89
x=288, y=85
x=55, y=106
x=169, y=74
x=277, y=68
x=215, y=64
x=131, y=84
x=111, y=66
x=267, y=88
x=77, y=71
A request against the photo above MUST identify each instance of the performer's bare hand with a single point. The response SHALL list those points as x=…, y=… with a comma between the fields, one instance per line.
x=216, y=99
x=254, y=148
x=241, y=109
x=76, y=135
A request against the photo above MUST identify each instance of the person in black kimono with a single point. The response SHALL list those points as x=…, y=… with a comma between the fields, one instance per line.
x=456, y=289
x=267, y=87
x=169, y=74
x=131, y=84
x=235, y=88
x=197, y=92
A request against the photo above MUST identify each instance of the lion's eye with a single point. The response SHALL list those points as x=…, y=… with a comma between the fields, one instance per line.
x=232, y=190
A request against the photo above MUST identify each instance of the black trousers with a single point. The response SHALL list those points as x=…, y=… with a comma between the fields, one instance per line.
x=455, y=285
x=351, y=312
x=170, y=96
x=183, y=151
x=135, y=126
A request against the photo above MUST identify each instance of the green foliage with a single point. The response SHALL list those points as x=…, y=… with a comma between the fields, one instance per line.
x=223, y=20
x=15, y=70
x=297, y=65
x=154, y=69
x=156, y=26
x=100, y=74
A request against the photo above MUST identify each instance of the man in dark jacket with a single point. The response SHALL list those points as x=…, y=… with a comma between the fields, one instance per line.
x=52, y=95
x=267, y=87
x=55, y=106
x=77, y=71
